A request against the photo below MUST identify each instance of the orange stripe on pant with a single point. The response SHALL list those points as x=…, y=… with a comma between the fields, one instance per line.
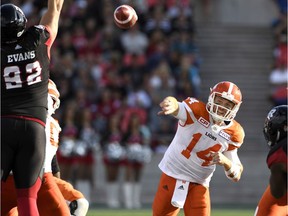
x=197, y=201
x=270, y=206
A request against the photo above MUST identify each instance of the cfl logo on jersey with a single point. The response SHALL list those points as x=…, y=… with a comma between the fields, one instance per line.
x=224, y=135
x=203, y=122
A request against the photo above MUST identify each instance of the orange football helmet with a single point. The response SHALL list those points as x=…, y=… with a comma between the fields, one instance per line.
x=228, y=91
x=54, y=94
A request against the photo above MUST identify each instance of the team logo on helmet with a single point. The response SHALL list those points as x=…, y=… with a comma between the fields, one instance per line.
x=275, y=125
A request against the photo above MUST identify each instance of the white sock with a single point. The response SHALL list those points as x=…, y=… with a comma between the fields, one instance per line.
x=137, y=195
x=112, y=195
x=128, y=192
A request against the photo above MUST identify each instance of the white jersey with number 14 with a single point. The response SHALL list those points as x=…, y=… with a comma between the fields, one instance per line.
x=188, y=156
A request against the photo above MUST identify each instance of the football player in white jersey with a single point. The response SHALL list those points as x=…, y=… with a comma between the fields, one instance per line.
x=55, y=191
x=207, y=135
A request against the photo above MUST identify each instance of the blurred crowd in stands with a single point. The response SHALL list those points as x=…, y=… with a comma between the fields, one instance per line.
x=279, y=74
x=105, y=74
x=111, y=82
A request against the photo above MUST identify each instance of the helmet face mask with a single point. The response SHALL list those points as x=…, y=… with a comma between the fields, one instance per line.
x=13, y=23
x=224, y=101
x=222, y=108
x=275, y=125
x=53, y=97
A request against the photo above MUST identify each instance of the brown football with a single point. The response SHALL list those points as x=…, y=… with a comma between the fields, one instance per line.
x=125, y=16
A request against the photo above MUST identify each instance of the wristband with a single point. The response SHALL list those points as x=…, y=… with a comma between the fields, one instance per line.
x=234, y=170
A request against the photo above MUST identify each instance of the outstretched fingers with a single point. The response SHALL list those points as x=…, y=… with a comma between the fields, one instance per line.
x=167, y=107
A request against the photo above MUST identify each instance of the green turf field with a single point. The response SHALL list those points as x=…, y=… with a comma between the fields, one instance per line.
x=147, y=212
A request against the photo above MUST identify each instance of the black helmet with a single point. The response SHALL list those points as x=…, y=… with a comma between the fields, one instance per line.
x=275, y=126
x=13, y=23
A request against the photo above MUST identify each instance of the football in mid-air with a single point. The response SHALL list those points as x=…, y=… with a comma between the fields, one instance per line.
x=125, y=16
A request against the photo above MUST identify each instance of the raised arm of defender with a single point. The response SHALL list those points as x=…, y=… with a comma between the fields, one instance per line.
x=50, y=19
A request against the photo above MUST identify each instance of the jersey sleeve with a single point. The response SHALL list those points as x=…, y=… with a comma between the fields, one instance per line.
x=237, y=136
x=52, y=37
x=277, y=157
x=195, y=110
x=278, y=154
x=40, y=34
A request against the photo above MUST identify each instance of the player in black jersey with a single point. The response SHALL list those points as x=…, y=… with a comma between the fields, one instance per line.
x=25, y=58
x=274, y=199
